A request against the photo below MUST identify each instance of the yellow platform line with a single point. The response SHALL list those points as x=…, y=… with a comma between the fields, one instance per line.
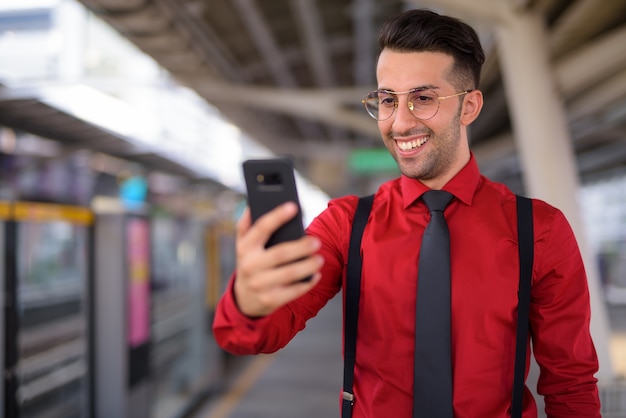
x=242, y=385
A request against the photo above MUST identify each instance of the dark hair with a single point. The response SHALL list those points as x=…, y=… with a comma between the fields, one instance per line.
x=420, y=30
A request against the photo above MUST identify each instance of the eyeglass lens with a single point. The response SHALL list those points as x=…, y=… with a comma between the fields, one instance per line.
x=381, y=104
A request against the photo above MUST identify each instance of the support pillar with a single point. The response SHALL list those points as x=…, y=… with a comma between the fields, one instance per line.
x=545, y=147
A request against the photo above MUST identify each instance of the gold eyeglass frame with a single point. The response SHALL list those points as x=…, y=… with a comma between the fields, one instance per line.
x=409, y=103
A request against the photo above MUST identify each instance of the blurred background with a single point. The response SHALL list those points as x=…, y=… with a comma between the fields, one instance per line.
x=123, y=125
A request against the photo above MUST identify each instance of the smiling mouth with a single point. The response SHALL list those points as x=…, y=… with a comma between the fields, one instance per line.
x=411, y=145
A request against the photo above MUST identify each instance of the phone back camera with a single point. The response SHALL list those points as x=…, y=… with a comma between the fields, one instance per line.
x=269, y=179
x=270, y=182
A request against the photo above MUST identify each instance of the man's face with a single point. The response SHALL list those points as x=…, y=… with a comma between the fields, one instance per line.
x=432, y=150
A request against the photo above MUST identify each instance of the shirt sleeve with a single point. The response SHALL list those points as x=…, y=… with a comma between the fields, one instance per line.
x=242, y=335
x=560, y=318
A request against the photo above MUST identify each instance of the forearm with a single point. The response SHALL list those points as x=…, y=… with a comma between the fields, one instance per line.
x=560, y=320
x=239, y=334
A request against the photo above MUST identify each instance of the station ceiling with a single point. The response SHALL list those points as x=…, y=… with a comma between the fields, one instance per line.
x=292, y=73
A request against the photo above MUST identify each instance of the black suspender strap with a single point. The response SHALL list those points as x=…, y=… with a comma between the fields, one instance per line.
x=525, y=236
x=353, y=291
x=352, y=296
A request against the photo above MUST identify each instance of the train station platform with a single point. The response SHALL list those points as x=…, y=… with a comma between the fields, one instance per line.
x=304, y=379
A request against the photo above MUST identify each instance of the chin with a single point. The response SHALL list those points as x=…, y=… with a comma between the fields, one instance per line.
x=406, y=171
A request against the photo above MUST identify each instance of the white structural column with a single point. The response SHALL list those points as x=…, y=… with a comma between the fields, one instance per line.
x=544, y=144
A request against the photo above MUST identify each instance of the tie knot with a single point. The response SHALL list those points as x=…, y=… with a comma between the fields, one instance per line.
x=436, y=200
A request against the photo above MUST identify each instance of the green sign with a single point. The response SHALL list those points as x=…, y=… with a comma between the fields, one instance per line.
x=372, y=161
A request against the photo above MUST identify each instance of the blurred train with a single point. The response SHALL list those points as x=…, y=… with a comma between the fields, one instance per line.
x=110, y=273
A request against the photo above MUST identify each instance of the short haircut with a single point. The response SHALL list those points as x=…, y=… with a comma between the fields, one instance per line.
x=420, y=30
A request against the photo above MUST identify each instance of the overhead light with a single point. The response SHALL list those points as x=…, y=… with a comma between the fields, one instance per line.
x=103, y=110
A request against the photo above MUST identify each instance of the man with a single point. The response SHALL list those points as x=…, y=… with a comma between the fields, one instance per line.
x=428, y=72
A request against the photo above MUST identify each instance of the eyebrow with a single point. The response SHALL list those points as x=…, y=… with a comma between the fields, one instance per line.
x=419, y=88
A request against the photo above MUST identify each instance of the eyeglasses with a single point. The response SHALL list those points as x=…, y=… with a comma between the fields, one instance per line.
x=423, y=104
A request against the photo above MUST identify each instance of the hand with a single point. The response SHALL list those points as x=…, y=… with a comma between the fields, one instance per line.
x=267, y=278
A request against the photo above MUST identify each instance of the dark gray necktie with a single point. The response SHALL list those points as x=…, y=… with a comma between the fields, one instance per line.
x=432, y=392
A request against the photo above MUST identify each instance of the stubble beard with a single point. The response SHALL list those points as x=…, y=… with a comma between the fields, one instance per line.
x=436, y=160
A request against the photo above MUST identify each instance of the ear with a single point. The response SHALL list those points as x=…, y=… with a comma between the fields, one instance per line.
x=472, y=106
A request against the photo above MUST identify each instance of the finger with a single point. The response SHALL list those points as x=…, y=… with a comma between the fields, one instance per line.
x=302, y=269
x=266, y=225
x=288, y=274
x=288, y=252
x=252, y=262
x=277, y=296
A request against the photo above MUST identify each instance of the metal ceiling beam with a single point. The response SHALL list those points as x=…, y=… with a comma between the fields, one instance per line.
x=581, y=20
x=312, y=32
x=317, y=54
x=334, y=46
x=609, y=155
x=114, y=5
x=574, y=72
x=320, y=105
x=204, y=41
x=602, y=94
x=583, y=69
x=261, y=35
x=595, y=65
x=493, y=10
x=362, y=12
x=580, y=69
x=499, y=155
x=588, y=162
x=543, y=7
x=593, y=62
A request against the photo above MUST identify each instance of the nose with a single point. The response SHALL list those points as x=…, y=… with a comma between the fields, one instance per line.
x=402, y=117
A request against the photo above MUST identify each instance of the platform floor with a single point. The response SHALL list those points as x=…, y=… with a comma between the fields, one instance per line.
x=304, y=379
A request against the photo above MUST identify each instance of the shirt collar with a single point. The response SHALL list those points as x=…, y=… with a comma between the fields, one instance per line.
x=463, y=185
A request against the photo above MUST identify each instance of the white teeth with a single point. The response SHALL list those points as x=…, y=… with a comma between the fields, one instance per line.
x=409, y=145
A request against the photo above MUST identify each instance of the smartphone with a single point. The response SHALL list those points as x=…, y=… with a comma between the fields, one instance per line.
x=269, y=183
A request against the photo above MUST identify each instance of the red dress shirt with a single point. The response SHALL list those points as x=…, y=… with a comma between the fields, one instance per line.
x=484, y=272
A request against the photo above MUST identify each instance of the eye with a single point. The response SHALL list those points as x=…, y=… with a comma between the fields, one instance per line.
x=423, y=99
x=386, y=99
